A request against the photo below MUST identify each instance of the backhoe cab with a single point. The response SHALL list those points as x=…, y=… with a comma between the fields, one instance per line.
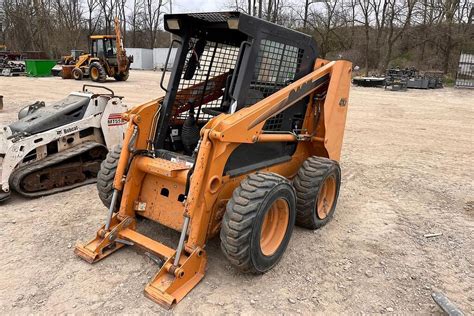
x=244, y=144
x=107, y=58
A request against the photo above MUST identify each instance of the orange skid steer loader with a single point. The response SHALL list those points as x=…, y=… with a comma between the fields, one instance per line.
x=245, y=142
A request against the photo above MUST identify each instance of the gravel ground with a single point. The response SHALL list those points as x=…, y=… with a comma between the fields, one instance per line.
x=408, y=171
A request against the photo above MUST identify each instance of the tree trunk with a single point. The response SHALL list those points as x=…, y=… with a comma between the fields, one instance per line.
x=269, y=10
x=366, y=49
x=306, y=11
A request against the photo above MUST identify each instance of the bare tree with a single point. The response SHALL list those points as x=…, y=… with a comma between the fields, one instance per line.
x=108, y=10
x=324, y=21
x=135, y=20
x=366, y=11
x=152, y=14
x=372, y=33
x=401, y=12
x=92, y=21
x=379, y=8
x=449, y=9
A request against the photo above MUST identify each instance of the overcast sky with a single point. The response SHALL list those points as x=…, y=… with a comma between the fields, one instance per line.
x=198, y=5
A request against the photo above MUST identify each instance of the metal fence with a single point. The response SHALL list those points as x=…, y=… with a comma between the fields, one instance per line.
x=465, y=74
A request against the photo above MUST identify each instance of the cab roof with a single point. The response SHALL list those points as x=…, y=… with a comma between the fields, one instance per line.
x=231, y=27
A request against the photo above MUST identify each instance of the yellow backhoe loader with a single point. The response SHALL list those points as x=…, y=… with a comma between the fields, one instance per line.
x=107, y=58
x=244, y=144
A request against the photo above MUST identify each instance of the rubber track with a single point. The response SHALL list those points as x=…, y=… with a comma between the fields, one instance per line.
x=20, y=173
x=306, y=183
x=240, y=212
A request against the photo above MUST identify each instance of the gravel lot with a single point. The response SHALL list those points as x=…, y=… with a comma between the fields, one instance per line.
x=408, y=171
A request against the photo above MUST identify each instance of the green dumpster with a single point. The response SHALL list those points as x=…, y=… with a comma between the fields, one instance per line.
x=39, y=67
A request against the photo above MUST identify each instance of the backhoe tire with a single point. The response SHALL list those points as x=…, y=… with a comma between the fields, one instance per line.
x=123, y=76
x=317, y=187
x=258, y=222
x=106, y=175
x=77, y=74
x=97, y=72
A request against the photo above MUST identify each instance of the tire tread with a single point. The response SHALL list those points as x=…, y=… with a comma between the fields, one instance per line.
x=239, y=217
x=106, y=175
x=307, y=183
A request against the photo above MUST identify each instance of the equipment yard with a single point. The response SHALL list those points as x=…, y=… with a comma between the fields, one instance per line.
x=403, y=228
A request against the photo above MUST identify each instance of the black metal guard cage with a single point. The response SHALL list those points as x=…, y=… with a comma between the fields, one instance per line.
x=230, y=60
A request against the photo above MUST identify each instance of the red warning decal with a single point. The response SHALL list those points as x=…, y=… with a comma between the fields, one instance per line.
x=115, y=119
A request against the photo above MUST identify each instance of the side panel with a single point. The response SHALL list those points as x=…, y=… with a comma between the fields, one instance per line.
x=163, y=200
x=335, y=108
x=113, y=127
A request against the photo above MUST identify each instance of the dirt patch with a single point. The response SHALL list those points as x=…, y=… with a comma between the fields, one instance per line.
x=407, y=171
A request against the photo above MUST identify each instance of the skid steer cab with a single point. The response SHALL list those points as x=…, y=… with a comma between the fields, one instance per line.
x=245, y=144
x=60, y=146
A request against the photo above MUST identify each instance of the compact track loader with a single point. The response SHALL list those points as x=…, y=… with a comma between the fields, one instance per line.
x=244, y=144
x=60, y=146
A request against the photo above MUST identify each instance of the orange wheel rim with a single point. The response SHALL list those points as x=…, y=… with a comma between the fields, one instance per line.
x=326, y=197
x=275, y=224
x=94, y=73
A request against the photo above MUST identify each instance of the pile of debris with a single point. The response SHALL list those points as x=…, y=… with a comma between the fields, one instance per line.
x=397, y=79
x=401, y=79
x=11, y=66
x=13, y=63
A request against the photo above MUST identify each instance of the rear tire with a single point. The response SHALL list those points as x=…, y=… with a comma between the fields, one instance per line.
x=97, y=72
x=258, y=222
x=122, y=76
x=317, y=187
x=77, y=74
x=106, y=175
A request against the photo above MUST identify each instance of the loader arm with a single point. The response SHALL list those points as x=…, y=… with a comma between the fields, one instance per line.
x=246, y=125
x=82, y=60
x=221, y=136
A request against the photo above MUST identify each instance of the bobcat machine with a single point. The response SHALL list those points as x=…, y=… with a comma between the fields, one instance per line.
x=107, y=57
x=244, y=144
x=60, y=146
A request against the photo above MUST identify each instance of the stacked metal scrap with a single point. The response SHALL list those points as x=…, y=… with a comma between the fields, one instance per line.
x=11, y=67
x=397, y=79
x=401, y=79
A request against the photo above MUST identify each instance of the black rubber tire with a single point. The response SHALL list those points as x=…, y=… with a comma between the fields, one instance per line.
x=101, y=71
x=243, y=219
x=106, y=174
x=308, y=183
x=77, y=74
x=122, y=76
